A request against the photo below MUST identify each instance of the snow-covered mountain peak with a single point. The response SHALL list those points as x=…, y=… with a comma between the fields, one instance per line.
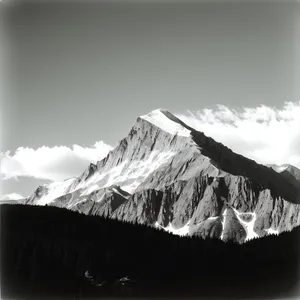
x=167, y=122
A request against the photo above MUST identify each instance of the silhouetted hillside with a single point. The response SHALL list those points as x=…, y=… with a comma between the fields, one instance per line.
x=49, y=251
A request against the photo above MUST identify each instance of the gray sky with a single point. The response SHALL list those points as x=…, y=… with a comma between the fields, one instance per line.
x=80, y=73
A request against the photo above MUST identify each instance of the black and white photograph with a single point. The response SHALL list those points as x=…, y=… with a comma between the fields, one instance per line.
x=150, y=149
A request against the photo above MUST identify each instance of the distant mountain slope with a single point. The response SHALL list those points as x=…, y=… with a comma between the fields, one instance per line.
x=295, y=172
x=290, y=173
x=168, y=175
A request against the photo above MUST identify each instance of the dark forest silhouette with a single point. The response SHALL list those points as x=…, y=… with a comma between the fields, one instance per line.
x=48, y=251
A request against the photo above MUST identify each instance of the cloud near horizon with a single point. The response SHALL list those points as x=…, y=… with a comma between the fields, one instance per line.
x=266, y=134
x=51, y=163
x=12, y=196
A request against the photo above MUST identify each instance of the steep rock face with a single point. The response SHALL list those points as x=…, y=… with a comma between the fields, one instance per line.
x=146, y=149
x=143, y=207
x=100, y=202
x=228, y=161
x=277, y=214
x=232, y=228
x=168, y=175
x=202, y=206
x=209, y=228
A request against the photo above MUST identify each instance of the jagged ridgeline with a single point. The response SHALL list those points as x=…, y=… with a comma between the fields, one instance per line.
x=170, y=176
x=48, y=252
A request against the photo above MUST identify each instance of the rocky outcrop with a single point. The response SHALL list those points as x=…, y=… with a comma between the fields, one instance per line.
x=143, y=207
x=233, y=230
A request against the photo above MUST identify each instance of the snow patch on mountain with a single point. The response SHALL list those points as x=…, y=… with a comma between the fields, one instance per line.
x=89, y=189
x=212, y=218
x=139, y=170
x=248, y=226
x=102, y=180
x=159, y=119
x=117, y=191
x=55, y=190
x=129, y=175
x=183, y=231
x=272, y=231
x=223, y=224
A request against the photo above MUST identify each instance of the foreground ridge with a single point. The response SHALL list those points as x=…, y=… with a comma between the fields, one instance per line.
x=80, y=256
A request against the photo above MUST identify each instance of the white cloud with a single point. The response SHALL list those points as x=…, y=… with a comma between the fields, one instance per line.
x=12, y=196
x=53, y=163
x=265, y=134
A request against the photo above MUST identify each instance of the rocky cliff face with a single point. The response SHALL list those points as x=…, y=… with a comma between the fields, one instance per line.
x=168, y=175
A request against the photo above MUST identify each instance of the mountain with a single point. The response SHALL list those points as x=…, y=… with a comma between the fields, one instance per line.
x=168, y=175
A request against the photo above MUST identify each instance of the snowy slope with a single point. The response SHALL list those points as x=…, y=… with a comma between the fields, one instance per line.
x=157, y=130
x=55, y=190
x=159, y=118
x=46, y=194
x=128, y=175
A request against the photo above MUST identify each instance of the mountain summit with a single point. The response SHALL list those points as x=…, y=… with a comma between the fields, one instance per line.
x=168, y=175
x=164, y=120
